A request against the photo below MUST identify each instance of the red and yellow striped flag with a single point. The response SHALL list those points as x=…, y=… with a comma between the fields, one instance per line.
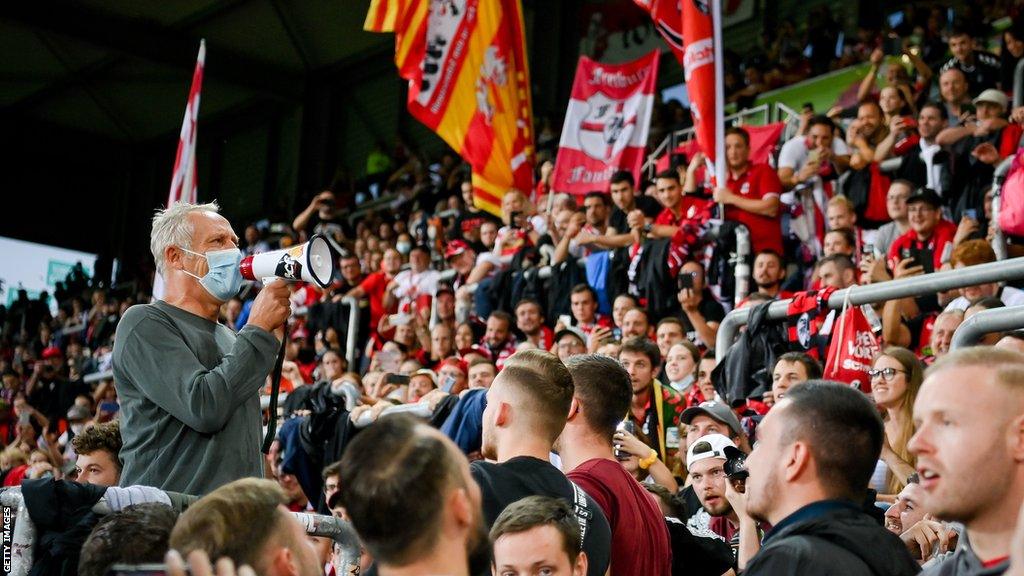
x=469, y=82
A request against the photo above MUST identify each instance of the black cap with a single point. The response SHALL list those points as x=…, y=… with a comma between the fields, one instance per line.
x=925, y=195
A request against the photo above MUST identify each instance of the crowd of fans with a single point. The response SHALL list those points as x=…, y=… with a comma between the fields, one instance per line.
x=572, y=338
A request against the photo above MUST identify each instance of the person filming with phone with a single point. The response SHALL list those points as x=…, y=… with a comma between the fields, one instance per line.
x=189, y=386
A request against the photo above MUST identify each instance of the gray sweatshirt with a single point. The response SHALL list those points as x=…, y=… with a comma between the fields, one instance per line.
x=189, y=394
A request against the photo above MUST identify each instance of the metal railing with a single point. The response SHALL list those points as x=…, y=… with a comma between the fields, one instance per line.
x=974, y=328
x=669, y=144
x=998, y=177
x=1012, y=269
x=419, y=409
x=23, y=540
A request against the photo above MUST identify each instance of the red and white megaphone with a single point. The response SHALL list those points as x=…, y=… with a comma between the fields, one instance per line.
x=309, y=262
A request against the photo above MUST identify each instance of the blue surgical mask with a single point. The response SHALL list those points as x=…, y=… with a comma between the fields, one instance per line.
x=403, y=248
x=223, y=279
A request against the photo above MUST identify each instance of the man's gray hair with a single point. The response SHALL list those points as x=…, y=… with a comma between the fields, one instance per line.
x=173, y=227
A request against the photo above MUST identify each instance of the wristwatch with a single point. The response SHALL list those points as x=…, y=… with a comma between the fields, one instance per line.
x=647, y=228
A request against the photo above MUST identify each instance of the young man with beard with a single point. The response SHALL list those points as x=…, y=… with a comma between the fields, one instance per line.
x=640, y=540
x=417, y=511
x=527, y=406
x=930, y=238
x=809, y=474
x=925, y=165
x=530, y=321
x=969, y=446
x=498, y=339
x=750, y=194
x=654, y=408
x=769, y=272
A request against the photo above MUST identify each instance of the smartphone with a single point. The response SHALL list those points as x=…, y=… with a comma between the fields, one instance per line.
x=867, y=249
x=448, y=383
x=684, y=281
x=399, y=379
x=514, y=219
x=892, y=45
x=813, y=156
x=565, y=320
x=109, y=407
x=968, y=109
x=808, y=106
x=971, y=213
x=24, y=418
x=625, y=426
x=399, y=319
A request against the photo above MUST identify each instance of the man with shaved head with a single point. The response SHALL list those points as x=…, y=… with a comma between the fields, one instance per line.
x=969, y=444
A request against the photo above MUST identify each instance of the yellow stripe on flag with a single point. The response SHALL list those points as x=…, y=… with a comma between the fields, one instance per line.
x=411, y=33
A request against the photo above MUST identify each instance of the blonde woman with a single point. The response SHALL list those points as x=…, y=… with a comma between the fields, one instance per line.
x=896, y=377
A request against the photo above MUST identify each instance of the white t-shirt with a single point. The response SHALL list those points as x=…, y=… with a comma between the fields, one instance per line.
x=1009, y=295
x=409, y=285
x=794, y=155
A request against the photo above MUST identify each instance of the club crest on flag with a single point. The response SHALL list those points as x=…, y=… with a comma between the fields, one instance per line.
x=606, y=129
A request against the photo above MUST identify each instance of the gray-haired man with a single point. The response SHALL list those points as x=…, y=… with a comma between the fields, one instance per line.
x=188, y=385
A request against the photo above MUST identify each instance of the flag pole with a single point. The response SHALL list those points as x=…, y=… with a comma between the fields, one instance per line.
x=720, y=163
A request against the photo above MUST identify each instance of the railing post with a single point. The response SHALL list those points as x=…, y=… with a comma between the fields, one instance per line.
x=998, y=177
x=352, y=337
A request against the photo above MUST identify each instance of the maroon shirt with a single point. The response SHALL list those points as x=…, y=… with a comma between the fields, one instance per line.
x=640, y=540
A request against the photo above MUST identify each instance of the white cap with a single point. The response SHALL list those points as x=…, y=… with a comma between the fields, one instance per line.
x=710, y=446
x=993, y=96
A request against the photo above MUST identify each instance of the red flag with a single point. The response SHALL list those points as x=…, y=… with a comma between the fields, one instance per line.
x=606, y=124
x=468, y=82
x=668, y=19
x=183, y=181
x=699, y=71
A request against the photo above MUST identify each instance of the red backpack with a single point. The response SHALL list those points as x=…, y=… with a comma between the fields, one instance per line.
x=1011, y=198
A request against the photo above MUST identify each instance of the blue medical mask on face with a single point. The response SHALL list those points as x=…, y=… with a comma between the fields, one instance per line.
x=223, y=279
x=403, y=248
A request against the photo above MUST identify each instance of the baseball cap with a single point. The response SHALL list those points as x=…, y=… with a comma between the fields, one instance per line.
x=993, y=96
x=426, y=372
x=716, y=411
x=925, y=195
x=710, y=446
x=454, y=248
x=52, y=352
x=570, y=330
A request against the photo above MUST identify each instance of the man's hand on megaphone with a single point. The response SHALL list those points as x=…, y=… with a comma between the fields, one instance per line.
x=271, y=308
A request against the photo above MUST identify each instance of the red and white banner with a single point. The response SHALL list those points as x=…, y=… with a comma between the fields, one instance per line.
x=699, y=69
x=668, y=20
x=606, y=124
x=183, y=179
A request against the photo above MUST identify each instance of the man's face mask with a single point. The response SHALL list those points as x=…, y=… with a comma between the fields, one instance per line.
x=223, y=279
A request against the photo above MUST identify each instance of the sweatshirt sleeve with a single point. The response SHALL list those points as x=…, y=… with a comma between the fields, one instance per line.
x=154, y=357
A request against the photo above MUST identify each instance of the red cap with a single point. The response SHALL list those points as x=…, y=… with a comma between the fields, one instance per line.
x=454, y=248
x=52, y=352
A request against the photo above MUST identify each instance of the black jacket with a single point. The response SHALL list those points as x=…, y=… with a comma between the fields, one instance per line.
x=840, y=540
x=746, y=370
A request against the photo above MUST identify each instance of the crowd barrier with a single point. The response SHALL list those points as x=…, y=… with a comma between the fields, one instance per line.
x=985, y=322
x=23, y=539
x=1012, y=269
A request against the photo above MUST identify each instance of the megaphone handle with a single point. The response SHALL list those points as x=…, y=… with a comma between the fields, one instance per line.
x=268, y=279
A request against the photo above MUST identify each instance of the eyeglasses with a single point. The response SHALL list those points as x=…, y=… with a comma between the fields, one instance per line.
x=887, y=374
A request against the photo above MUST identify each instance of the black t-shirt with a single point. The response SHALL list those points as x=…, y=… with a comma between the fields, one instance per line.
x=711, y=310
x=467, y=221
x=649, y=206
x=522, y=476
